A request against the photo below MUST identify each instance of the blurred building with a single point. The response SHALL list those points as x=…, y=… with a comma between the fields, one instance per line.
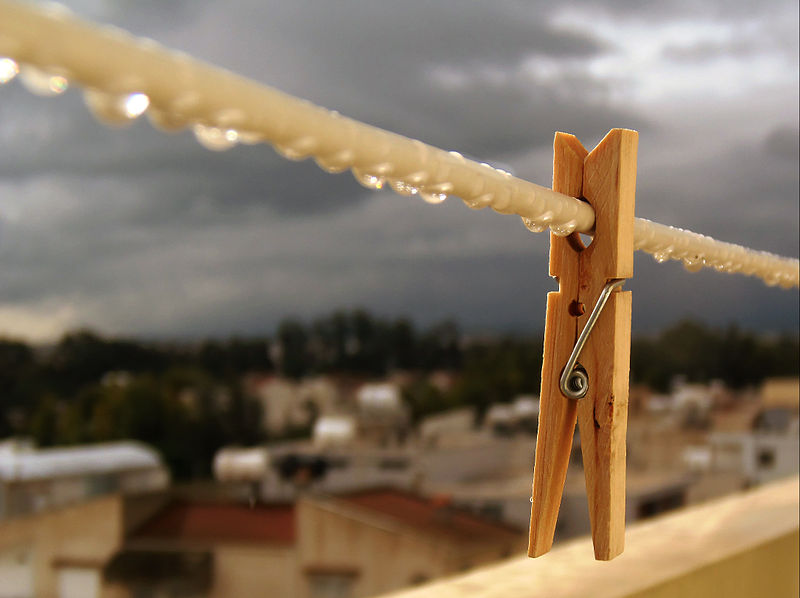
x=383, y=418
x=336, y=467
x=521, y=415
x=354, y=545
x=287, y=405
x=32, y=480
x=439, y=427
x=769, y=447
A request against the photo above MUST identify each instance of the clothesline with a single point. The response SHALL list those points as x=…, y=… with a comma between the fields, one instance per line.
x=125, y=77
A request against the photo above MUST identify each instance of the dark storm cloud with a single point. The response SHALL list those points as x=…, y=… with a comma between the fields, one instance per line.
x=136, y=231
x=175, y=171
x=708, y=50
x=783, y=142
x=689, y=9
x=740, y=195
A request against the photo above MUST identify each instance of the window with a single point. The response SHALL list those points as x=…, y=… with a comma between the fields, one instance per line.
x=492, y=510
x=16, y=573
x=78, y=582
x=766, y=459
x=331, y=584
x=655, y=506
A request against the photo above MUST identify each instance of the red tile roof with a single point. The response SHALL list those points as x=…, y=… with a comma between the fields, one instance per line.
x=219, y=522
x=235, y=522
x=434, y=514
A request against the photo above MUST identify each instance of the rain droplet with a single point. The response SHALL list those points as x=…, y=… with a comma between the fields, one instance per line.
x=403, y=188
x=436, y=193
x=433, y=198
x=565, y=229
x=8, y=70
x=136, y=104
x=115, y=109
x=481, y=201
x=166, y=121
x=40, y=83
x=535, y=226
x=661, y=256
x=296, y=150
x=723, y=266
x=338, y=162
x=214, y=138
x=693, y=264
x=369, y=180
x=531, y=499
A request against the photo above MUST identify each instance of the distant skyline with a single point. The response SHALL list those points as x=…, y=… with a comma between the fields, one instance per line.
x=140, y=233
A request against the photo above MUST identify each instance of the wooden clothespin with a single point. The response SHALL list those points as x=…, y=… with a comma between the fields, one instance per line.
x=606, y=178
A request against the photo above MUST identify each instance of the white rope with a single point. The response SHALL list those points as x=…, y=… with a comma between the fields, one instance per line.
x=125, y=77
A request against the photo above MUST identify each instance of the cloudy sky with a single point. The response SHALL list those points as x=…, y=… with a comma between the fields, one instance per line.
x=137, y=232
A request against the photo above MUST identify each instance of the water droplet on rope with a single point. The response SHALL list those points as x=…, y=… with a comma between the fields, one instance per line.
x=481, y=201
x=693, y=264
x=8, y=70
x=565, y=229
x=338, y=162
x=433, y=198
x=403, y=188
x=166, y=121
x=436, y=193
x=115, y=109
x=214, y=138
x=41, y=83
x=296, y=150
x=661, y=256
x=786, y=281
x=369, y=180
x=535, y=226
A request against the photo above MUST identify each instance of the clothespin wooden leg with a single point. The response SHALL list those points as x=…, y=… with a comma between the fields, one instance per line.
x=609, y=185
x=607, y=181
x=557, y=414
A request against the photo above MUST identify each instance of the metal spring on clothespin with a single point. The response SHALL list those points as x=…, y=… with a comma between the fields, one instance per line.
x=574, y=381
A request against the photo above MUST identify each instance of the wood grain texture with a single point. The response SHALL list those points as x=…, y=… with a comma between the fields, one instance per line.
x=609, y=182
x=606, y=178
x=557, y=414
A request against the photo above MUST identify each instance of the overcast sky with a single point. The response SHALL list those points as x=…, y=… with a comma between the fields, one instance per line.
x=137, y=232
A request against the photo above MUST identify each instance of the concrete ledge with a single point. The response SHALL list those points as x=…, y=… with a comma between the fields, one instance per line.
x=741, y=545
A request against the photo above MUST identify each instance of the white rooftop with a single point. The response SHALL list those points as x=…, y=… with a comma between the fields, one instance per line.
x=383, y=396
x=22, y=461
